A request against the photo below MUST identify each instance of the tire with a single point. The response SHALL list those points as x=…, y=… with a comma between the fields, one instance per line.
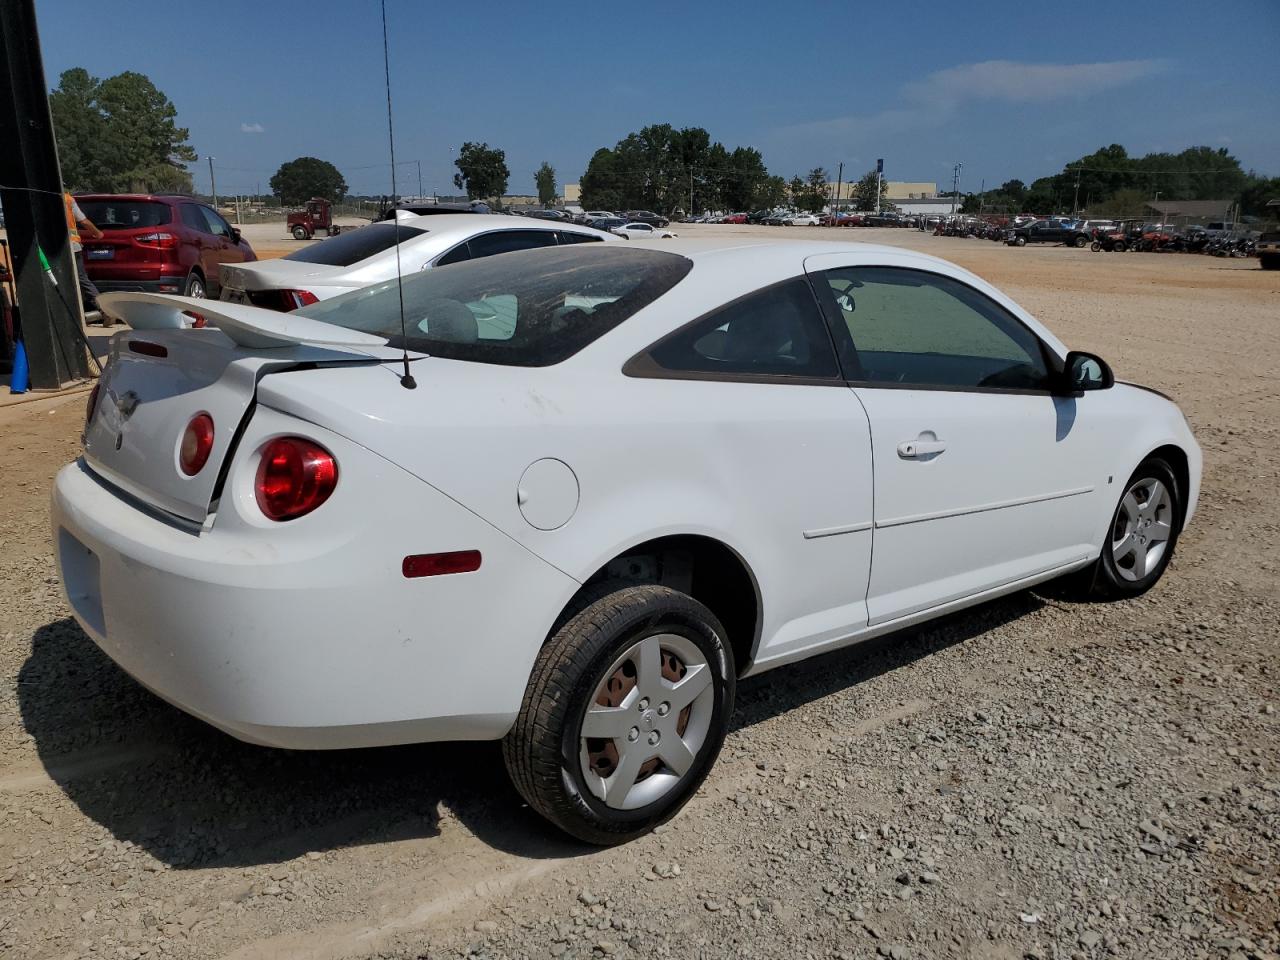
x=1120, y=246
x=195, y=287
x=300, y=233
x=587, y=658
x=1020, y=241
x=1113, y=576
x=1095, y=246
x=1269, y=263
x=1079, y=242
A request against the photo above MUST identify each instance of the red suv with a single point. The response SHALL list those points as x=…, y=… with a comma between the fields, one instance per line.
x=158, y=244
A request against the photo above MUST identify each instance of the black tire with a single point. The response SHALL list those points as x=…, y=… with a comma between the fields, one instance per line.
x=1269, y=263
x=300, y=233
x=1020, y=241
x=1080, y=242
x=195, y=287
x=542, y=751
x=1120, y=246
x=1095, y=246
x=1103, y=580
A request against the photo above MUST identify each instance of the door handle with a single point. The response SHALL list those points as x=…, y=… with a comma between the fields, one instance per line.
x=920, y=449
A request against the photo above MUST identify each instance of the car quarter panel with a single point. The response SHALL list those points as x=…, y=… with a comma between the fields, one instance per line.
x=306, y=634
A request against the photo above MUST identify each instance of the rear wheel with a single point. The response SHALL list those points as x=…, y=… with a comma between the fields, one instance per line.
x=300, y=233
x=195, y=286
x=1120, y=246
x=625, y=712
x=1080, y=242
x=1095, y=246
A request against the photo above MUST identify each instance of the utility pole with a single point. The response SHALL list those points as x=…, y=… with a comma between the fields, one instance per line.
x=1075, y=207
x=955, y=186
x=836, y=210
x=879, y=173
x=982, y=190
x=420, y=196
x=213, y=186
x=691, y=210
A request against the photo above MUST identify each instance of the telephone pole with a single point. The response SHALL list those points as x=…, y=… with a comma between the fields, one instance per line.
x=213, y=185
x=955, y=186
x=835, y=211
x=1075, y=206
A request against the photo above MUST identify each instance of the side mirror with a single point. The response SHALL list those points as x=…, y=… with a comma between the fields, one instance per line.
x=1086, y=371
x=235, y=234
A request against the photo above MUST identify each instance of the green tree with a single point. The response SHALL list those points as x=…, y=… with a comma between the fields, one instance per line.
x=864, y=193
x=770, y=193
x=299, y=180
x=119, y=134
x=814, y=195
x=545, y=180
x=482, y=171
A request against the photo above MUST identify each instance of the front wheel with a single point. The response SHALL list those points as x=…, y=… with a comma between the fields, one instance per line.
x=1120, y=246
x=1080, y=242
x=626, y=710
x=300, y=233
x=1095, y=246
x=1143, y=532
x=1020, y=241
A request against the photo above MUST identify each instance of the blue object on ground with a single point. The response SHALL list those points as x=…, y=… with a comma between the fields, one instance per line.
x=21, y=376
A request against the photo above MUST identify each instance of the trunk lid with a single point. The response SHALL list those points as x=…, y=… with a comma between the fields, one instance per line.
x=160, y=376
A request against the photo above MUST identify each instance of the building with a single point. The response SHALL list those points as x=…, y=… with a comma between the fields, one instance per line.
x=896, y=190
x=572, y=192
x=1191, y=211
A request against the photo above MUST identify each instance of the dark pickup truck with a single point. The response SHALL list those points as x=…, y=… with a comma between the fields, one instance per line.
x=1048, y=231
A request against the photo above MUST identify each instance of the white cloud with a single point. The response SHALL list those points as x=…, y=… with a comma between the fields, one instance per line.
x=252, y=128
x=1017, y=82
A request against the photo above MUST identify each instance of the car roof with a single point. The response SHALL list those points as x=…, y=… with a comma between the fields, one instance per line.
x=446, y=224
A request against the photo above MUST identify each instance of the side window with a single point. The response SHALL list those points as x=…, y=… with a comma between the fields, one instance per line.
x=915, y=328
x=567, y=237
x=777, y=331
x=193, y=218
x=504, y=241
x=456, y=255
x=216, y=225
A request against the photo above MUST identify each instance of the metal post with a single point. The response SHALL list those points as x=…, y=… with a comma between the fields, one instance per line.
x=879, y=173
x=34, y=214
x=213, y=186
x=1075, y=204
x=839, y=181
x=420, y=195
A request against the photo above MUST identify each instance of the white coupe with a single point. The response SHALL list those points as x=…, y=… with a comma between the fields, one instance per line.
x=357, y=258
x=643, y=231
x=570, y=496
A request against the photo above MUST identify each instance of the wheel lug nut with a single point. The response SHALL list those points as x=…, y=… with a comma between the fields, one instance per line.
x=644, y=703
x=663, y=709
x=654, y=738
x=633, y=734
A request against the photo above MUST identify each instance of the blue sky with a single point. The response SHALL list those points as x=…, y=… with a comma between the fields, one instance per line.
x=1010, y=89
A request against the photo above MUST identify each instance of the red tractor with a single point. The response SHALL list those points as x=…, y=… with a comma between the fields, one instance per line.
x=315, y=216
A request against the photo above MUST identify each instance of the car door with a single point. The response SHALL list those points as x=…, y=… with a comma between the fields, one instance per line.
x=202, y=238
x=222, y=248
x=983, y=477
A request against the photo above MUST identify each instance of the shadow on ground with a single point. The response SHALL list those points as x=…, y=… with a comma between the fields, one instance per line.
x=194, y=797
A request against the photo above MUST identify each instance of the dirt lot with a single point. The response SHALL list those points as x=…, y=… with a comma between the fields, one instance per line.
x=1031, y=778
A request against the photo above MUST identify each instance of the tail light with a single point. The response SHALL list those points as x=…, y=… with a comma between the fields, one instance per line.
x=294, y=477
x=284, y=300
x=298, y=298
x=92, y=405
x=197, y=442
x=160, y=240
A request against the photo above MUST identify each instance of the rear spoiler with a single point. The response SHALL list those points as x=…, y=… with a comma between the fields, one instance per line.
x=248, y=326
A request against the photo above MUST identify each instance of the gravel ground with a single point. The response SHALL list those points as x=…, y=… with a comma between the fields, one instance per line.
x=1029, y=779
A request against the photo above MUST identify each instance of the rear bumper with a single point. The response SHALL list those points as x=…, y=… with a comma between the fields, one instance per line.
x=161, y=285
x=310, y=638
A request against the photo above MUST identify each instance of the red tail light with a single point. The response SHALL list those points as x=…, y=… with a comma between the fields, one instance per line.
x=298, y=298
x=294, y=477
x=284, y=300
x=197, y=442
x=159, y=239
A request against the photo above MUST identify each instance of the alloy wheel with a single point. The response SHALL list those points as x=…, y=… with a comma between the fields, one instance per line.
x=1142, y=527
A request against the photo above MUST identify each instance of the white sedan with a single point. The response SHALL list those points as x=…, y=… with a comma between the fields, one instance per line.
x=566, y=498
x=642, y=231
x=805, y=220
x=357, y=258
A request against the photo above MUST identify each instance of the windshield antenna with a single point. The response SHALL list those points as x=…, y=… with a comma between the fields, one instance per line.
x=406, y=380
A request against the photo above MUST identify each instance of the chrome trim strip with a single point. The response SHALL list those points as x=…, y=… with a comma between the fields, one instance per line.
x=835, y=531
x=981, y=508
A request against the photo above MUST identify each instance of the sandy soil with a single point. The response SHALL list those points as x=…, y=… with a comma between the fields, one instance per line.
x=1032, y=778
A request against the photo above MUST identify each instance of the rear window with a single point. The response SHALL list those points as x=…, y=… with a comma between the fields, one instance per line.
x=532, y=308
x=348, y=248
x=124, y=214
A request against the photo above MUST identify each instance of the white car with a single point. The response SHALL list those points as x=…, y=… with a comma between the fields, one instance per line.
x=642, y=231
x=805, y=220
x=568, y=497
x=357, y=258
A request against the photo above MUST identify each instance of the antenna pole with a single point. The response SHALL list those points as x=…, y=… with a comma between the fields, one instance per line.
x=406, y=380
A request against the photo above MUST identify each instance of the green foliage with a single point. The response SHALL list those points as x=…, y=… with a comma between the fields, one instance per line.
x=299, y=180
x=664, y=169
x=771, y=192
x=118, y=135
x=864, y=193
x=482, y=171
x=545, y=181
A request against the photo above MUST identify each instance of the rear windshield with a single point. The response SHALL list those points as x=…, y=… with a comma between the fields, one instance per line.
x=349, y=248
x=124, y=214
x=530, y=308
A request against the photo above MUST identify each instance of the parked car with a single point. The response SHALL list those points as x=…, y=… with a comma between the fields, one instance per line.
x=360, y=257
x=431, y=210
x=1268, y=250
x=538, y=543
x=160, y=244
x=777, y=218
x=647, y=216
x=734, y=218
x=559, y=215
x=1049, y=231
x=607, y=223
x=641, y=231
x=805, y=220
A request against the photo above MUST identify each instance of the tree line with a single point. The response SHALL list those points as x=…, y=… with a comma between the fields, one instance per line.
x=1109, y=182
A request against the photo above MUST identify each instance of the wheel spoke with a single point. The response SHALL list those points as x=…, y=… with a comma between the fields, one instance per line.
x=697, y=679
x=619, y=785
x=649, y=666
x=607, y=723
x=1140, y=561
x=1158, y=532
x=675, y=753
x=1131, y=509
x=1155, y=497
x=1125, y=546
